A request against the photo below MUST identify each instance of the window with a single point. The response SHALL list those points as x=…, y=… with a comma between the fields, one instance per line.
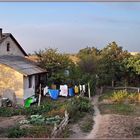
x=30, y=81
x=8, y=47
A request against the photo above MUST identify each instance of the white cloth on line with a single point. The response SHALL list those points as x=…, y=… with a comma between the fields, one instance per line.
x=45, y=91
x=63, y=90
x=80, y=86
x=84, y=88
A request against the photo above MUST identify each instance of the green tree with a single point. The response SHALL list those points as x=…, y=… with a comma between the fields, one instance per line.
x=55, y=63
x=110, y=63
x=132, y=67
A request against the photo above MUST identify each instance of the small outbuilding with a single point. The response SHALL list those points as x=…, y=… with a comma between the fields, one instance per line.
x=17, y=73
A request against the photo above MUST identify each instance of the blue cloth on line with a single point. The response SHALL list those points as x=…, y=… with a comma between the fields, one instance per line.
x=71, y=92
x=53, y=93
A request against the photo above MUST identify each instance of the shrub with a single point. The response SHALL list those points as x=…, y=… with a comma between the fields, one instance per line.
x=7, y=112
x=87, y=125
x=16, y=132
x=122, y=95
x=77, y=107
x=133, y=97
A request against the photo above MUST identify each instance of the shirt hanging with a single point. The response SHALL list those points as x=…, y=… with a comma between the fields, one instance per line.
x=63, y=90
x=76, y=89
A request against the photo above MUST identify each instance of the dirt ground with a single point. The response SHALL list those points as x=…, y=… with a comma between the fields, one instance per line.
x=117, y=126
x=7, y=122
x=109, y=126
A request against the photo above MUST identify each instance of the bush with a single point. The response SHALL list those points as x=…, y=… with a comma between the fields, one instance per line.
x=78, y=106
x=38, y=131
x=87, y=125
x=16, y=132
x=133, y=97
x=7, y=112
x=119, y=96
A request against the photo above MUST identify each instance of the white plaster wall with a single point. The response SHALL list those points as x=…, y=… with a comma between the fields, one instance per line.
x=28, y=92
x=14, y=50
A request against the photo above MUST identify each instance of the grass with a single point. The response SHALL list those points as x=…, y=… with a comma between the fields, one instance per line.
x=122, y=109
x=16, y=132
x=87, y=124
x=106, y=95
x=37, y=131
x=66, y=133
x=122, y=102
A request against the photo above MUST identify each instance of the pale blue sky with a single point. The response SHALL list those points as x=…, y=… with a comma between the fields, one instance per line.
x=70, y=26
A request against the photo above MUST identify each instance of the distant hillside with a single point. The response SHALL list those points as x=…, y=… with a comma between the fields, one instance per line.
x=134, y=53
x=73, y=57
x=32, y=58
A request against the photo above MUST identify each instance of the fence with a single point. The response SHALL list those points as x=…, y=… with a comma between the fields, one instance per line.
x=59, y=128
x=137, y=89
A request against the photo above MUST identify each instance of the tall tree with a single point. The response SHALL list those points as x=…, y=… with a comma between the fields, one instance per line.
x=110, y=69
x=54, y=62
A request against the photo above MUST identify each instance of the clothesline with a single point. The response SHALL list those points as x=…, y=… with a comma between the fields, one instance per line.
x=64, y=91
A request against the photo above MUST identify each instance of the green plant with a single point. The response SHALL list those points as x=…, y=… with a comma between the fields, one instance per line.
x=16, y=132
x=133, y=97
x=106, y=95
x=77, y=107
x=119, y=96
x=65, y=133
x=40, y=131
x=87, y=125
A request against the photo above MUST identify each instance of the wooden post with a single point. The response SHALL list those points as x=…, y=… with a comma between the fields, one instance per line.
x=89, y=90
x=39, y=95
x=138, y=90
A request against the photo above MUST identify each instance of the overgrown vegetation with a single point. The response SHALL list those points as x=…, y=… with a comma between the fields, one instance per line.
x=122, y=109
x=121, y=96
x=87, y=124
x=120, y=102
x=16, y=132
x=37, y=131
x=77, y=108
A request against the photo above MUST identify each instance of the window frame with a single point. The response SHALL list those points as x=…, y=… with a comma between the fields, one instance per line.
x=30, y=81
x=8, y=46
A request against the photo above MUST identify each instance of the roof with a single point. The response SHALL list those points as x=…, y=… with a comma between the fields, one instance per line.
x=21, y=64
x=5, y=35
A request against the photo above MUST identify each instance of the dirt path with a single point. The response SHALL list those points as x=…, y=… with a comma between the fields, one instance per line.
x=96, y=118
x=6, y=122
x=112, y=125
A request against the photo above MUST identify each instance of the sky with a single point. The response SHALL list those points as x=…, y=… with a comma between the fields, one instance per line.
x=71, y=26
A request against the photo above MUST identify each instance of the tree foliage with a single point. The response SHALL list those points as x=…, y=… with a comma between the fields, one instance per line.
x=54, y=62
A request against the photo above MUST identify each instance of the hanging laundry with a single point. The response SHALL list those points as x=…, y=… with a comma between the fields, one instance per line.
x=63, y=90
x=80, y=87
x=53, y=93
x=84, y=88
x=71, y=92
x=76, y=89
x=45, y=91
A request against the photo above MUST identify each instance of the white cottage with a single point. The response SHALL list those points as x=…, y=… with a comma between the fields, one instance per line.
x=17, y=72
